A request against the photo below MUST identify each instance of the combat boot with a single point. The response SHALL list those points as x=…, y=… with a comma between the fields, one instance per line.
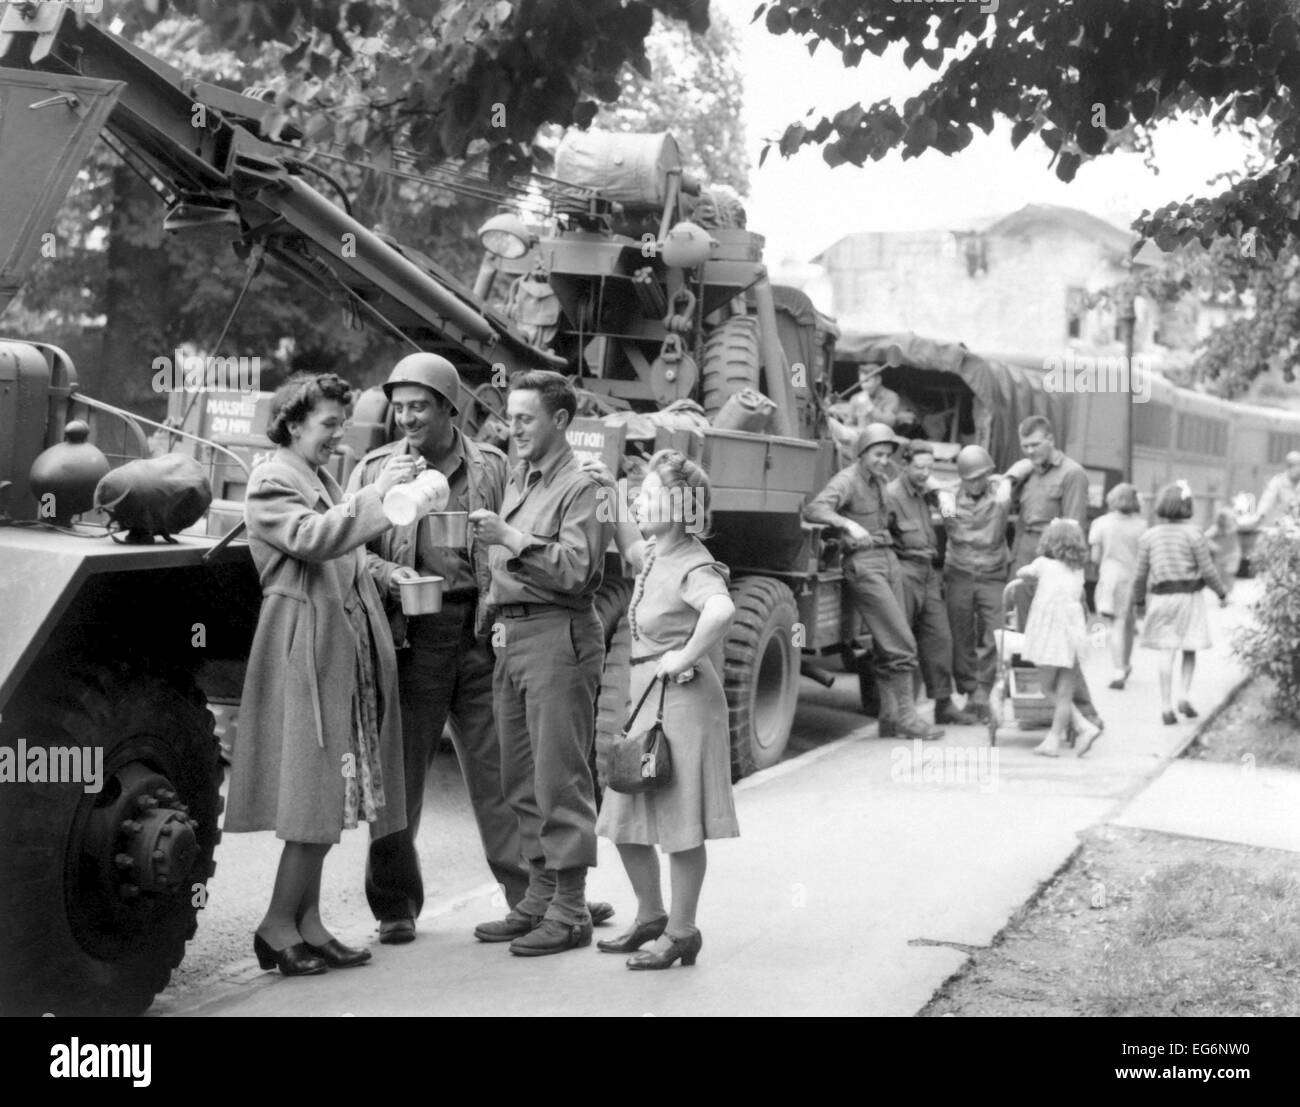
x=910, y=724
x=887, y=720
x=946, y=712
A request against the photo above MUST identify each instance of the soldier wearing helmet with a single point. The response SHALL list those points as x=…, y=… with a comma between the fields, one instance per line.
x=445, y=663
x=975, y=573
x=854, y=502
x=911, y=497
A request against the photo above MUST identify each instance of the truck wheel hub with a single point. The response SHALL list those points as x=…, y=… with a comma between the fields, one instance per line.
x=144, y=840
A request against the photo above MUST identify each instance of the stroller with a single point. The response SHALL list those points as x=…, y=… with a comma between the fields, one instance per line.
x=1017, y=697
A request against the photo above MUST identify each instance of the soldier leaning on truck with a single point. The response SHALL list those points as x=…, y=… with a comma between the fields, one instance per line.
x=547, y=559
x=854, y=501
x=912, y=500
x=444, y=659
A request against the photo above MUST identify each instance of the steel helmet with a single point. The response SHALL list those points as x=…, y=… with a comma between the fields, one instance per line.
x=430, y=371
x=974, y=461
x=872, y=435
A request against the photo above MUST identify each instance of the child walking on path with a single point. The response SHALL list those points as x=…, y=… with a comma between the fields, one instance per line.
x=1114, y=541
x=1056, y=629
x=1175, y=565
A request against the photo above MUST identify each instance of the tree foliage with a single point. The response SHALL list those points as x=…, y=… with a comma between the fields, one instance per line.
x=695, y=90
x=1270, y=643
x=156, y=290
x=1074, y=75
x=445, y=77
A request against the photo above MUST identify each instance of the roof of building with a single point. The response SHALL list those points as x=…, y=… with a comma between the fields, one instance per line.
x=1035, y=218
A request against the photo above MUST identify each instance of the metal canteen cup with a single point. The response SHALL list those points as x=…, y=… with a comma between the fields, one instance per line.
x=449, y=529
x=426, y=493
x=421, y=596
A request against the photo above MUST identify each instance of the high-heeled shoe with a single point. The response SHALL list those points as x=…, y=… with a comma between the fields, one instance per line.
x=1187, y=709
x=338, y=956
x=687, y=949
x=1169, y=718
x=294, y=960
x=635, y=938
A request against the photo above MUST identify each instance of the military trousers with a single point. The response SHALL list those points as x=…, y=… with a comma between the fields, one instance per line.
x=974, y=602
x=445, y=673
x=545, y=684
x=876, y=584
x=928, y=617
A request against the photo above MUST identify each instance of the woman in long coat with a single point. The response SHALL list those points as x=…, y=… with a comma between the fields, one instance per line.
x=319, y=745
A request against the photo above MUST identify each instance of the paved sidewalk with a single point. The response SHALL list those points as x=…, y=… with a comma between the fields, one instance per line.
x=867, y=871
x=1226, y=802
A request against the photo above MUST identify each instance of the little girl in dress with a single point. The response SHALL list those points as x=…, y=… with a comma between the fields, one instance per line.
x=1056, y=629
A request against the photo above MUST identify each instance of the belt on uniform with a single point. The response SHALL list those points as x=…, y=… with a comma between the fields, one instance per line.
x=1165, y=587
x=919, y=558
x=523, y=610
x=983, y=574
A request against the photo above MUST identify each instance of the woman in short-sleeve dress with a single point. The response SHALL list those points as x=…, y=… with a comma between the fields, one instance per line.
x=680, y=610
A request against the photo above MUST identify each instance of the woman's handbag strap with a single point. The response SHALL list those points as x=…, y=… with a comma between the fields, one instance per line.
x=627, y=727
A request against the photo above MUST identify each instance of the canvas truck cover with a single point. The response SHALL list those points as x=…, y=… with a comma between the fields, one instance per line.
x=1004, y=393
x=628, y=169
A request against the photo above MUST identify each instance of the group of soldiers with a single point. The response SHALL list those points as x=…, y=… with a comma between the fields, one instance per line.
x=521, y=708
x=512, y=660
x=932, y=607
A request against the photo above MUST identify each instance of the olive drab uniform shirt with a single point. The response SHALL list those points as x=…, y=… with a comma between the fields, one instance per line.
x=859, y=496
x=1058, y=490
x=914, y=533
x=977, y=534
x=563, y=560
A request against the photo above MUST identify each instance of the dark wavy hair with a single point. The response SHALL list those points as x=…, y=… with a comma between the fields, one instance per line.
x=914, y=447
x=1063, y=541
x=554, y=388
x=297, y=398
x=1172, y=505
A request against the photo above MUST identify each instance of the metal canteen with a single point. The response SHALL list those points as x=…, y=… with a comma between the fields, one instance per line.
x=407, y=502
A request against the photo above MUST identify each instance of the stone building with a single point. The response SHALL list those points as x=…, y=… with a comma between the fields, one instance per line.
x=1018, y=285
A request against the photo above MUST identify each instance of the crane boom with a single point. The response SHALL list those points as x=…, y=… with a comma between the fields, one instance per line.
x=204, y=143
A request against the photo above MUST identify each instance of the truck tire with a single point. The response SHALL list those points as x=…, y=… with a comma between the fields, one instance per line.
x=101, y=889
x=761, y=673
x=731, y=361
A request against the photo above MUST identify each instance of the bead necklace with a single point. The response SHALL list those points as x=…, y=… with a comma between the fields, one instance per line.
x=650, y=547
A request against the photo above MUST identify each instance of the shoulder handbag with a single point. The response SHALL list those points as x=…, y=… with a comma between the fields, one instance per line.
x=642, y=763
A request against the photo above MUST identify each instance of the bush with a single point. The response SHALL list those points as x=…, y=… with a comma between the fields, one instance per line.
x=1271, y=646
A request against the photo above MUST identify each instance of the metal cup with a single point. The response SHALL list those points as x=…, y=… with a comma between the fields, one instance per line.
x=449, y=529
x=421, y=596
